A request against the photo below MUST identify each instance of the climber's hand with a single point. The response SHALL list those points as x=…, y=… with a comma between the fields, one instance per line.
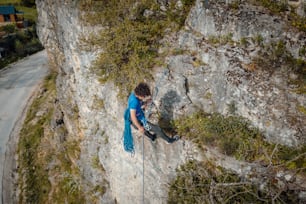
x=141, y=130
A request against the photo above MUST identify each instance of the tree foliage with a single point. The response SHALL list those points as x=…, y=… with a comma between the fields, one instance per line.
x=28, y=3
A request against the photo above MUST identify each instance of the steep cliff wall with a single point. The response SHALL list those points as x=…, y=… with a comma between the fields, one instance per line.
x=93, y=112
x=205, y=76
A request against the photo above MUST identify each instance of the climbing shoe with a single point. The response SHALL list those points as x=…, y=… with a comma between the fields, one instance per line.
x=173, y=139
x=150, y=135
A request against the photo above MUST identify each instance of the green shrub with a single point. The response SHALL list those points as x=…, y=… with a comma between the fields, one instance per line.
x=131, y=38
x=234, y=136
x=235, y=4
x=23, y=36
x=6, y=2
x=9, y=28
x=19, y=47
x=244, y=41
x=203, y=182
x=28, y=3
x=302, y=51
x=33, y=46
x=213, y=39
x=221, y=40
x=69, y=189
x=259, y=39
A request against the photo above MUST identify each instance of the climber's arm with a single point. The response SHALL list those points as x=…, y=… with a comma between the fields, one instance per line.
x=135, y=121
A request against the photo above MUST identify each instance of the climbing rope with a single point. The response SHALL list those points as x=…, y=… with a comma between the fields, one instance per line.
x=143, y=183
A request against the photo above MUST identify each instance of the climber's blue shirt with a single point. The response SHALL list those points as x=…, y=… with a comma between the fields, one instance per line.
x=135, y=104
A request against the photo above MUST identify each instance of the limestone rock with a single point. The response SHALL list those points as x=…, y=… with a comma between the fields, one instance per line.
x=211, y=79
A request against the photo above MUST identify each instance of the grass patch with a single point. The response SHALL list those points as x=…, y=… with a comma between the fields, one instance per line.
x=235, y=5
x=10, y=2
x=221, y=40
x=67, y=186
x=30, y=13
x=33, y=180
x=39, y=159
x=69, y=189
x=131, y=38
x=96, y=192
x=199, y=182
x=302, y=109
x=95, y=162
x=98, y=103
x=234, y=136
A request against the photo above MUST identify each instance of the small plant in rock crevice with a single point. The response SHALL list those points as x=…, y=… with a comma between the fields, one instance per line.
x=221, y=40
x=96, y=163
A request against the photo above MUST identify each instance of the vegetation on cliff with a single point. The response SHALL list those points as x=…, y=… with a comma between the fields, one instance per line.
x=132, y=33
x=131, y=36
x=33, y=179
x=234, y=136
x=283, y=8
x=204, y=182
x=47, y=172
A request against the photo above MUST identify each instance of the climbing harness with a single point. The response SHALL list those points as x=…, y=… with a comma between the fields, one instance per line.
x=145, y=124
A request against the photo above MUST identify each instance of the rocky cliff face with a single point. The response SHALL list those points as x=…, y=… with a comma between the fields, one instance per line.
x=213, y=78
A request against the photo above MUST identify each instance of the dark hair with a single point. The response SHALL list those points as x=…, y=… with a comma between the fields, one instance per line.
x=142, y=89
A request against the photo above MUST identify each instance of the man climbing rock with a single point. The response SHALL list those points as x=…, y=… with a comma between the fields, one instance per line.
x=134, y=115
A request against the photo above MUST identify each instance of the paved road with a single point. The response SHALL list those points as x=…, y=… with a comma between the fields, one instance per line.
x=17, y=83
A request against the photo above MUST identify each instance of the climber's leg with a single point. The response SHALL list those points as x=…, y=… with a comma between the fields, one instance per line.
x=158, y=131
x=146, y=133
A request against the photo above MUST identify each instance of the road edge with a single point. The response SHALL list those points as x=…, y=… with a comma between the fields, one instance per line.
x=10, y=169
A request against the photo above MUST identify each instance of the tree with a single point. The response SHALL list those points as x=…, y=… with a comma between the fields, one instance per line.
x=28, y=3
